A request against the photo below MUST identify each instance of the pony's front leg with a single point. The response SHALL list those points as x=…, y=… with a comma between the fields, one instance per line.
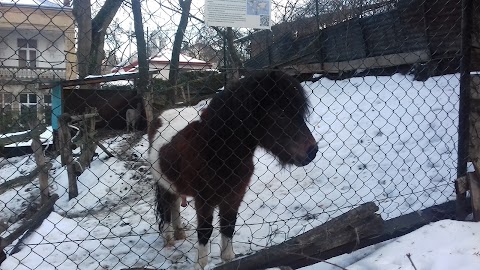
x=204, y=231
x=228, y=217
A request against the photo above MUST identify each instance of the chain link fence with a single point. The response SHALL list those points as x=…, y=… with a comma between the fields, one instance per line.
x=381, y=77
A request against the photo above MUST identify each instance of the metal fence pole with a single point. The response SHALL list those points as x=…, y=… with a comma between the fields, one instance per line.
x=464, y=108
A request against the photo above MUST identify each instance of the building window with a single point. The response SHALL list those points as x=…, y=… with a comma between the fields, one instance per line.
x=47, y=109
x=28, y=103
x=6, y=100
x=27, y=53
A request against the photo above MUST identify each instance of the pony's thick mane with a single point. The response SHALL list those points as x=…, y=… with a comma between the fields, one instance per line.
x=246, y=101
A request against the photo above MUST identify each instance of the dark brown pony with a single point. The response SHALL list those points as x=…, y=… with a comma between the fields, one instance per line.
x=211, y=159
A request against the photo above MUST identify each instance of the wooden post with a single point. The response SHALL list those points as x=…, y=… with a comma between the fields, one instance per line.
x=474, y=183
x=148, y=104
x=88, y=142
x=66, y=153
x=40, y=160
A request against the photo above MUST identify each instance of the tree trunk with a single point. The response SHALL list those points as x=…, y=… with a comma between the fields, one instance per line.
x=91, y=34
x=235, y=59
x=177, y=46
x=141, y=48
x=83, y=16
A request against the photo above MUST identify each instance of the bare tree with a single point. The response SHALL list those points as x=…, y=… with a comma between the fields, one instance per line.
x=177, y=46
x=91, y=34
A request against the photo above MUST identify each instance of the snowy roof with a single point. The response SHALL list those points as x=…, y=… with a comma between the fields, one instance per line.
x=160, y=58
x=33, y=3
x=164, y=56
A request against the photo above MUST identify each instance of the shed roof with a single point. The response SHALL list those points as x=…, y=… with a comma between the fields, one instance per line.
x=162, y=57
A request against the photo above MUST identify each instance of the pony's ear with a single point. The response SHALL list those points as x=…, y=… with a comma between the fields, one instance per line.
x=275, y=73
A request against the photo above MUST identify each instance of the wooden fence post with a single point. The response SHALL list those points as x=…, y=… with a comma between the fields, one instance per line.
x=88, y=140
x=40, y=160
x=66, y=153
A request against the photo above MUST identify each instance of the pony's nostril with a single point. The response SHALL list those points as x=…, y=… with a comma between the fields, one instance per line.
x=312, y=152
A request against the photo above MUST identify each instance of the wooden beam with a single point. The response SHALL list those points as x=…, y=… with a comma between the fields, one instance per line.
x=24, y=179
x=98, y=79
x=382, y=61
x=76, y=118
x=30, y=222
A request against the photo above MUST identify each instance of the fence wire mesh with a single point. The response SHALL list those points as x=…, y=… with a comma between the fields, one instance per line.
x=381, y=78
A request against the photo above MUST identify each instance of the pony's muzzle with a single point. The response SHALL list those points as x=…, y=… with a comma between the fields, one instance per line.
x=311, y=154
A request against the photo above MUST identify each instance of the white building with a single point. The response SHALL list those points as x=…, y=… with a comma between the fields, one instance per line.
x=36, y=46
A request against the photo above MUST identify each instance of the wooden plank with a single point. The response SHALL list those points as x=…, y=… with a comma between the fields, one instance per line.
x=23, y=180
x=393, y=228
x=383, y=61
x=350, y=227
x=76, y=118
x=31, y=222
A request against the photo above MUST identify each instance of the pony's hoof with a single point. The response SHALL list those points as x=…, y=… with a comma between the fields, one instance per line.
x=202, y=257
x=227, y=255
x=198, y=266
x=180, y=234
x=169, y=243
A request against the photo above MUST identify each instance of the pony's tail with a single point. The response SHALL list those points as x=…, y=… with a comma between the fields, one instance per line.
x=152, y=130
x=159, y=209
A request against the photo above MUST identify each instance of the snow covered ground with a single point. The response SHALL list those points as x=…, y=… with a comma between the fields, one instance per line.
x=390, y=140
x=443, y=245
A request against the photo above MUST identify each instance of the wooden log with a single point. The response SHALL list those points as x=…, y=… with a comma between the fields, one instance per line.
x=103, y=148
x=30, y=223
x=88, y=143
x=24, y=179
x=393, y=228
x=352, y=226
x=66, y=153
x=76, y=118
